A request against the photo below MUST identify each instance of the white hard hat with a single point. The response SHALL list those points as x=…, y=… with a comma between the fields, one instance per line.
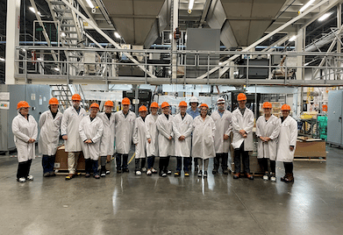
x=194, y=100
x=220, y=100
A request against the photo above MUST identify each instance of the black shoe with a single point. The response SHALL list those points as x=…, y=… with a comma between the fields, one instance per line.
x=119, y=171
x=169, y=172
x=88, y=175
x=225, y=171
x=236, y=176
x=214, y=171
x=205, y=174
x=126, y=170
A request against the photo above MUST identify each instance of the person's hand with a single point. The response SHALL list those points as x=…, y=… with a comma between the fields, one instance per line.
x=242, y=132
x=149, y=140
x=88, y=141
x=291, y=148
x=262, y=138
x=225, y=137
x=181, y=138
x=65, y=137
x=31, y=140
x=267, y=139
x=245, y=136
x=170, y=138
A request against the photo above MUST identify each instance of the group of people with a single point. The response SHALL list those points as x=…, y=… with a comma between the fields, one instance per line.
x=192, y=133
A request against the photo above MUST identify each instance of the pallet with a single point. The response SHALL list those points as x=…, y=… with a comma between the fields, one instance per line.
x=312, y=159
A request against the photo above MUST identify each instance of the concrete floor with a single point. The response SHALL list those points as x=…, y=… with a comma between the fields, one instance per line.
x=129, y=204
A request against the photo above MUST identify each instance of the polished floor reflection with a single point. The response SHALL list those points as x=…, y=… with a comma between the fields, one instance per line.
x=129, y=204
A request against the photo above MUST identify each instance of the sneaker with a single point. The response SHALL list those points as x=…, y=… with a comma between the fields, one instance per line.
x=149, y=173
x=69, y=177
x=29, y=177
x=164, y=174
x=21, y=180
x=273, y=178
x=200, y=174
x=236, y=176
x=144, y=169
x=97, y=176
x=249, y=176
x=52, y=173
x=153, y=171
x=214, y=171
x=186, y=174
x=177, y=174
x=103, y=174
x=107, y=172
x=87, y=175
x=169, y=172
x=265, y=176
x=47, y=174
x=205, y=174
x=138, y=173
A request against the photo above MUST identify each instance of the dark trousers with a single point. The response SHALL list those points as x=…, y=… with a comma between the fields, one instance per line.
x=288, y=167
x=139, y=163
x=151, y=161
x=221, y=157
x=91, y=165
x=245, y=158
x=163, y=164
x=48, y=163
x=24, y=169
x=118, y=159
x=263, y=162
x=186, y=161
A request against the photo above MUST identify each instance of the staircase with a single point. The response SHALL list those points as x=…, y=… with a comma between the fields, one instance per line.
x=63, y=94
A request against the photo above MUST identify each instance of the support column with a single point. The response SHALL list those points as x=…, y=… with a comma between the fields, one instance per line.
x=12, y=39
x=339, y=49
x=174, y=42
x=299, y=47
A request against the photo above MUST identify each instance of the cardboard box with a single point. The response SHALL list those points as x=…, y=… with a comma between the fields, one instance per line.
x=314, y=148
x=61, y=160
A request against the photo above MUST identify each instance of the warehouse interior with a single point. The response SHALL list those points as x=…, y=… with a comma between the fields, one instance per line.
x=286, y=52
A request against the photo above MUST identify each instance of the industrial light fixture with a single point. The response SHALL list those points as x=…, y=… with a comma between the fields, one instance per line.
x=63, y=34
x=23, y=49
x=2, y=59
x=90, y=4
x=170, y=37
x=292, y=39
x=57, y=69
x=325, y=16
x=33, y=10
x=306, y=6
x=117, y=35
x=190, y=6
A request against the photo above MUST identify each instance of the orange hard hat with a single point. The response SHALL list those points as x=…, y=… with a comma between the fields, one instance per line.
x=204, y=105
x=142, y=109
x=241, y=96
x=109, y=103
x=165, y=104
x=154, y=105
x=183, y=104
x=23, y=104
x=285, y=107
x=53, y=100
x=94, y=105
x=267, y=105
x=126, y=101
x=76, y=97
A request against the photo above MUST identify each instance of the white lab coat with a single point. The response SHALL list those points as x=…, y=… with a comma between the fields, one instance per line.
x=23, y=130
x=246, y=123
x=140, y=138
x=165, y=130
x=70, y=127
x=124, y=131
x=203, y=138
x=183, y=127
x=270, y=129
x=49, y=132
x=287, y=137
x=107, y=139
x=150, y=122
x=223, y=126
x=91, y=130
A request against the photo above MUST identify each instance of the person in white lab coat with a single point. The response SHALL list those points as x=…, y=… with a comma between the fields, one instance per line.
x=242, y=125
x=141, y=138
x=267, y=132
x=193, y=110
x=203, y=139
x=182, y=128
x=287, y=143
x=70, y=133
x=25, y=131
x=222, y=119
x=125, y=121
x=152, y=146
x=50, y=125
x=164, y=125
x=91, y=128
x=107, y=139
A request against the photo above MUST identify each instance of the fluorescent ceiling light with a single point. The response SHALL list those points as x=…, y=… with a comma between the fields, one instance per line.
x=293, y=38
x=23, y=49
x=90, y=4
x=2, y=59
x=191, y=4
x=325, y=16
x=57, y=69
x=33, y=10
x=306, y=5
x=116, y=34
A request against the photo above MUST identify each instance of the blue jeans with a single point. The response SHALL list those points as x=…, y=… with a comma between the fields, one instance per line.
x=118, y=159
x=186, y=162
x=48, y=163
x=151, y=161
